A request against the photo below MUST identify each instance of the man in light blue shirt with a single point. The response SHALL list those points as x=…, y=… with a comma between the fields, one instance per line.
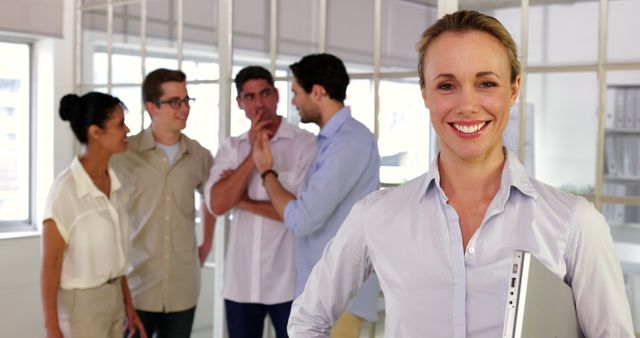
x=345, y=169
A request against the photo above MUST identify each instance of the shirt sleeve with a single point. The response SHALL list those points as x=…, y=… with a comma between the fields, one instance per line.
x=335, y=172
x=334, y=280
x=305, y=158
x=595, y=276
x=223, y=160
x=56, y=209
x=207, y=163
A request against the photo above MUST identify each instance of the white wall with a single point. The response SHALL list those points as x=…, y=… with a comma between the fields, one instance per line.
x=20, y=309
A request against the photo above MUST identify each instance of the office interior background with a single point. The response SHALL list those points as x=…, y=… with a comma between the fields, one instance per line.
x=576, y=125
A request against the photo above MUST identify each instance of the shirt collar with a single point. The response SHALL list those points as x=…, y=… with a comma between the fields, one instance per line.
x=513, y=175
x=147, y=141
x=337, y=120
x=84, y=184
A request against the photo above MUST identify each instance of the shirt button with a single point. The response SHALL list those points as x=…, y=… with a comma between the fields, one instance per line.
x=472, y=250
x=166, y=218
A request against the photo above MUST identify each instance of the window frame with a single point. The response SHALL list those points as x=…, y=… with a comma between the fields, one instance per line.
x=28, y=224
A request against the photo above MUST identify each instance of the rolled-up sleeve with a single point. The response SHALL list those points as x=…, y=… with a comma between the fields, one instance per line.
x=225, y=159
x=334, y=173
x=334, y=280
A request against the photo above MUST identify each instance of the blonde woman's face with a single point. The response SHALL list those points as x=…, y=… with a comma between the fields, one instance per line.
x=468, y=92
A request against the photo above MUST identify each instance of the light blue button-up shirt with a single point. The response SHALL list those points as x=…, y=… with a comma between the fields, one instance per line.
x=411, y=237
x=346, y=168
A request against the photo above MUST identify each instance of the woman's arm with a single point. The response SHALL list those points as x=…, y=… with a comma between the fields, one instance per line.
x=52, y=254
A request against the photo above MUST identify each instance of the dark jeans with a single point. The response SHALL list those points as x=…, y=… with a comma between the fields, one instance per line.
x=246, y=320
x=167, y=324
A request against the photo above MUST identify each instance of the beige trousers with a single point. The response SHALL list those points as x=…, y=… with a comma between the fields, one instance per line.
x=92, y=313
x=347, y=326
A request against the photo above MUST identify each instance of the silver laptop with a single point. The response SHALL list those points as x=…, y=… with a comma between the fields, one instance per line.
x=539, y=304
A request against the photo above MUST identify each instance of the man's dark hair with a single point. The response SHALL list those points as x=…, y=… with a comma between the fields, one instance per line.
x=322, y=69
x=252, y=73
x=152, y=85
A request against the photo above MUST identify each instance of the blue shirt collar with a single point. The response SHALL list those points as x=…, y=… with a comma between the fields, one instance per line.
x=337, y=120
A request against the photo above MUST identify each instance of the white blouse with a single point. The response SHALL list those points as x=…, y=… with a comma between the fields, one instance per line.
x=92, y=225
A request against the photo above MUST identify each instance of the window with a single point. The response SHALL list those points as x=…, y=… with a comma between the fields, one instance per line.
x=15, y=135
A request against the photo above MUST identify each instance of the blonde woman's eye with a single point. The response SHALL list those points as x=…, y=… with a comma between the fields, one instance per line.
x=488, y=84
x=445, y=86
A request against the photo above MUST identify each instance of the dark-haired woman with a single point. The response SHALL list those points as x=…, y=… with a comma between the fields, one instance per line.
x=84, y=290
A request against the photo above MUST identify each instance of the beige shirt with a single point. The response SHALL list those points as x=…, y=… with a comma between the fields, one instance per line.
x=165, y=270
x=92, y=225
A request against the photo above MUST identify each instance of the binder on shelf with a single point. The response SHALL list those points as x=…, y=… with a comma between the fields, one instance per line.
x=636, y=106
x=619, y=109
x=629, y=111
x=610, y=108
x=614, y=213
x=622, y=152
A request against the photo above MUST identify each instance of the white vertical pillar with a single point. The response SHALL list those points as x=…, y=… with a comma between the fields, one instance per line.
x=143, y=52
x=180, y=32
x=109, y=45
x=225, y=51
x=602, y=88
x=322, y=39
x=524, y=52
x=377, y=47
x=273, y=35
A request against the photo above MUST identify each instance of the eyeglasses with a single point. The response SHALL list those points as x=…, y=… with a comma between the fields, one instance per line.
x=176, y=103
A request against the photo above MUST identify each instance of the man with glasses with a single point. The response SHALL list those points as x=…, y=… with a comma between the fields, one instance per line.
x=259, y=269
x=161, y=169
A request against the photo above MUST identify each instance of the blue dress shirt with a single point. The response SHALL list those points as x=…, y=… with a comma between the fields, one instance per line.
x=346, y=168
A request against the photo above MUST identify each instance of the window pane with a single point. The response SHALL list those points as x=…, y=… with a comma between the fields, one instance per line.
x=404, y=131
x=203, y=117
x=360, y=99
x=14, y=132
x=132, y=98
x=153, y=63
x=563, y=33
x=622, y=46
x=283, y=105
x=565, y=129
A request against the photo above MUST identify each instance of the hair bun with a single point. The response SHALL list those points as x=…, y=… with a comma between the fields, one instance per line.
x=69, y=106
